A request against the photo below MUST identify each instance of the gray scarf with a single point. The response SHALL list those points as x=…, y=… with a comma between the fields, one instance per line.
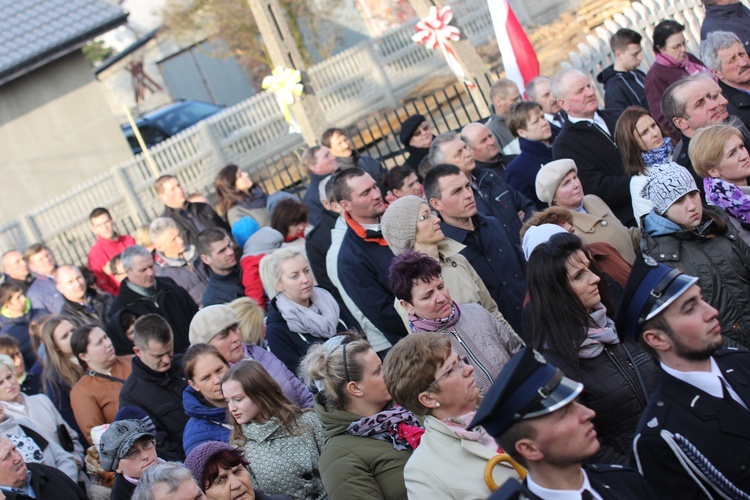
x=602, y=331
x=318, y=320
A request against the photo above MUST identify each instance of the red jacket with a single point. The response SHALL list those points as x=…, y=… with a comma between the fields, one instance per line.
x=102, y=252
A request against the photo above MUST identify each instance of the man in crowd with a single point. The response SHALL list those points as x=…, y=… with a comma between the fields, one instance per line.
x=174, y=259
x=484, y=147
x=692, y=440
x=539, y=89
x=723, y=53
x=22, y=481
x=216, y=250
x=364, y=256
x=168, y=481
x=532, y=412
x=81, y=304
x=493, y=196
x=526, y=121
x=588, y=139
x=503, y=94
x=156, y=383
x=16, y=270
x=108, y=244
x=191, y=218
x=319, y=163
x=727, y=15
x=416, y=137
x=623, y=81
x=497, y=260
x=43, y=292
x=143, y=293
x=347, y=157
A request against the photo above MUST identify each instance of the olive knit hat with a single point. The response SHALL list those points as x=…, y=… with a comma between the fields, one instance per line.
x=399, y=223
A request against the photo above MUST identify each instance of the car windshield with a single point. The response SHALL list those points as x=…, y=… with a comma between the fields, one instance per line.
x=184, y=116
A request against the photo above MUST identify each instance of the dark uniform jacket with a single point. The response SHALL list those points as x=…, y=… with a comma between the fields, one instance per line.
x=718, y=429
x=171, y=302
x=194, y=218
x=159, y=394
x=612, y=482
x=599, y=163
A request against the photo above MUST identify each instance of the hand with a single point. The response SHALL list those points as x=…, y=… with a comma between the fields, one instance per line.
x=390, y=197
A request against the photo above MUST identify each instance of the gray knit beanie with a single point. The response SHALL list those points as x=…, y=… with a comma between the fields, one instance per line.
x=399, y=223
x=666, y=184
x=117, y=441
x=550, y=176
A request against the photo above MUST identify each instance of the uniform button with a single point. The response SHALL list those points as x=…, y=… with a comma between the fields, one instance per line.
x=502, y=282
x=454, y=264
x=662, y=255
x=605, y=223
x=660, y=403
x=674, y=255
x=500, y=250
x=515, y=275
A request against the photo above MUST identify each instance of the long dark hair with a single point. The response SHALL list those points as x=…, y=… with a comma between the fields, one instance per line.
x=226, y=192
x=559, y=319
x=627, y=141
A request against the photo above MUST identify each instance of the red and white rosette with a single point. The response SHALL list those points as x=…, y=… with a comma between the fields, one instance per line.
x=434, y=32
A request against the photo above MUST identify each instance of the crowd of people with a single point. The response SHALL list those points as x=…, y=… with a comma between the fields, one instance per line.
x=562, y=291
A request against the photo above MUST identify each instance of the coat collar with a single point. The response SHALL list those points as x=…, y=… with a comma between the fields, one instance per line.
x=477, y=449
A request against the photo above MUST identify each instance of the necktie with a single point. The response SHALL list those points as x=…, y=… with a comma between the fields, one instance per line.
x=728, y=396
x=587, y=495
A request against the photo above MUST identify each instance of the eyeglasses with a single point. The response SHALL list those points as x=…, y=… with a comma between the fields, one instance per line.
x=429, y=215
x=678, y=46
x=423, y=129
x=135, y=452
x=460, y=363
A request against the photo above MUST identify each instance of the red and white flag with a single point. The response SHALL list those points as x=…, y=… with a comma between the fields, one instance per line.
x=519, y=59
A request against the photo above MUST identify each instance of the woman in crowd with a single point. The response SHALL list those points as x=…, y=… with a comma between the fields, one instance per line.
x=30, y=380
x=62, y=370
x=403, y=181
x=289, y=217
x=572, y=327
x=557, y=184
x=252, y=320
x=221, y=472
x=95, y=398
x=36, y=446
x=16, y=315
x=219, y=326
x=410, y=224
x=368, y=441
x=202, y=399
x=428, y=378
x=299, y=313
x=642, y=143
x=718, y=154
x=681, y=232
x=416, y=281
x=127, y=448
x=673, y=62
x=281, y=441
x=416, y=137
x=38, y=408
x=240, y=197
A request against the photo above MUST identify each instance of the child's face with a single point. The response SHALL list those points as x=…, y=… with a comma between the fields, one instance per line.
x=631, y=57
x=686, y=211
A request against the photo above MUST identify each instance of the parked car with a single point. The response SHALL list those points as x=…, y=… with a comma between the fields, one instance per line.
x=165, y=122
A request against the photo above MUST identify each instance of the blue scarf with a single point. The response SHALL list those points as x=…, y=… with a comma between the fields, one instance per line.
x=659, y=155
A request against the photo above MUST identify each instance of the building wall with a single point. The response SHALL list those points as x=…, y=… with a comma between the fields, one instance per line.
x=56, y=130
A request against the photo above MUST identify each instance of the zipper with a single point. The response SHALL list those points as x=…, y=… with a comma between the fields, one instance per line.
x=475, y=362
x=625, y=374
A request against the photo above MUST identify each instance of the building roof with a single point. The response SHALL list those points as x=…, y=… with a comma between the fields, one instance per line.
x=36, y=32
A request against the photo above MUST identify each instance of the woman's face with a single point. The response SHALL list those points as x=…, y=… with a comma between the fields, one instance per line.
x=582, y=280
x=16, y=303
x=61, y=336
x=428, y=228
x=687, y=211
x=411, y=185
x=455, y=387
x=734, y=166
x=372, y=384
x=233, y=483
x=229, y=344
x=9, y=386
x=99, y=351
x=141, y=456
x=243, y=409
x=647, y=133
x=569, y=193
x=207, y=376
x=243, y=182
x=430, y=300
x=675, y=46
x=296, y=280
x=296, y=229
x=18, y=361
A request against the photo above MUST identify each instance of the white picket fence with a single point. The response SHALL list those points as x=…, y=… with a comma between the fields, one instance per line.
x=253, y=134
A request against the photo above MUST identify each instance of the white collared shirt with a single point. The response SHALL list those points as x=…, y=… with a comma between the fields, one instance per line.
x=547, y=494
x=708, y=382
x=553, y=119
x=597, y=120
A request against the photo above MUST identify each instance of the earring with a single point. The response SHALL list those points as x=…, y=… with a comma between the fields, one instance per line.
x=437, y=404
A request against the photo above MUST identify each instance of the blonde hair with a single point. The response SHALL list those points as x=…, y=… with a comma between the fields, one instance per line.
x=57, y=367
x=6, y=360
x=270, y=268
x=251, y=317
x=706, y=148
